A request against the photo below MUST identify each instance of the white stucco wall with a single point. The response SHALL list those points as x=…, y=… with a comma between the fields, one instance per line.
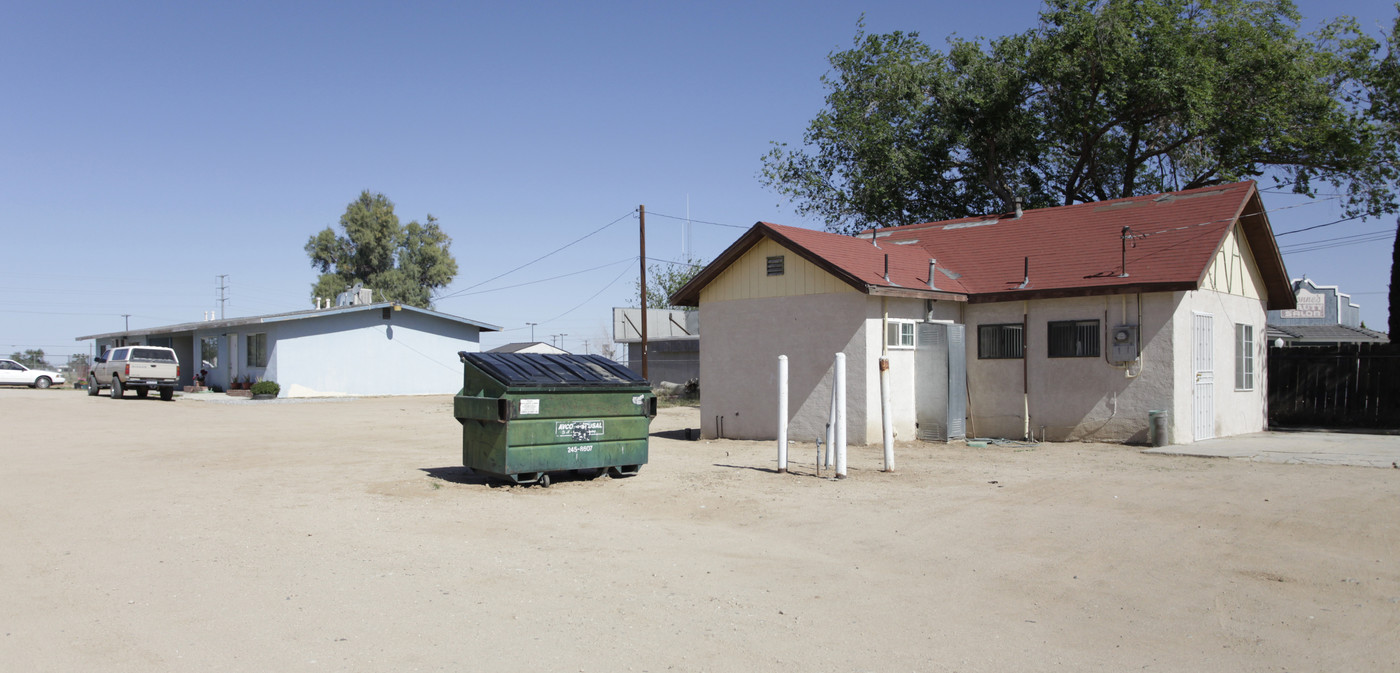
x=738, y=373
x=363, y=354
x=903, y=401
x=1236, y=411
x=1080, y=398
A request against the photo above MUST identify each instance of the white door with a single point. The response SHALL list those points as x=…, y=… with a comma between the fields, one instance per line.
x=1203, y=398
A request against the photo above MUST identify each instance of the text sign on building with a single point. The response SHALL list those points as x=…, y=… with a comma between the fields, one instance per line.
x=1310, y=305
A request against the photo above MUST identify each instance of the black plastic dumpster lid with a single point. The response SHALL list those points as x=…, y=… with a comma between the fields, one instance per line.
x=537, y=369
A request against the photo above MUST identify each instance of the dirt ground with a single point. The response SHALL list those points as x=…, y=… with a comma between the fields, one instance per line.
x=342, y=535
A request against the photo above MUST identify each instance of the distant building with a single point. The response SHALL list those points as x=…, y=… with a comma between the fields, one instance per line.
x=673, y=342
x=1324, y=316
x=529, y=347
x=357, y=348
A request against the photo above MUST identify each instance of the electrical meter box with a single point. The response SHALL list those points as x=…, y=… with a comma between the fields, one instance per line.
x=1123, y=344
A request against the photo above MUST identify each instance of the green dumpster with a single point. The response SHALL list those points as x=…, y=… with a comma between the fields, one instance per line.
x=525, y=415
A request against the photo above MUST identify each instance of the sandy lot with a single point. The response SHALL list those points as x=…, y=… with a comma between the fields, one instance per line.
x=341, y=535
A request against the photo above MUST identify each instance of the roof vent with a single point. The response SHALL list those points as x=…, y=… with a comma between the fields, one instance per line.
x=932, y=266
x=1018, y=207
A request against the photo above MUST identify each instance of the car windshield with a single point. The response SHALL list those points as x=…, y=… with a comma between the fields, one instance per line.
x=156, y=354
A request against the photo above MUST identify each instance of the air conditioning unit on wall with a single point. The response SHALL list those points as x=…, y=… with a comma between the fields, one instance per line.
x=1123, y=344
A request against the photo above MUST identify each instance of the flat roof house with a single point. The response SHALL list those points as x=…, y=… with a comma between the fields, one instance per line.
x=364, y=349
x=1067, y=323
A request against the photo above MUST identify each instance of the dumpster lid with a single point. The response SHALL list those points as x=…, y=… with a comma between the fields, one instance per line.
x=534, y=369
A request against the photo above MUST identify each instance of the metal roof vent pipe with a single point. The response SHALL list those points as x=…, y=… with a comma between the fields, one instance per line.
x=1017, y=201
x=932, y=266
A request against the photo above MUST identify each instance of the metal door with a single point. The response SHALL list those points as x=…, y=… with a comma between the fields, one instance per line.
x=940, y=382
x=1203, y=397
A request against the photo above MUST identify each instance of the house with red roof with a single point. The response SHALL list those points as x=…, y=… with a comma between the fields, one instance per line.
x=1067, y=323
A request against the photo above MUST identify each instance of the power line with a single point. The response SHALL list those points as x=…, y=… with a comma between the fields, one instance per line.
x=595, y=295
x=687, y=219
x=547, y=254
x=545, y=280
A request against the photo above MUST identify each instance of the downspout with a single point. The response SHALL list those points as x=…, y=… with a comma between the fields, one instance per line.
x=1025, y=371
x=886, y=422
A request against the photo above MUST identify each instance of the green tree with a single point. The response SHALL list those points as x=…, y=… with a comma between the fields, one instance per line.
x=1104, y=99
x=663, y=279
x=32, y=358
x=1382, y=97
x=403, y=263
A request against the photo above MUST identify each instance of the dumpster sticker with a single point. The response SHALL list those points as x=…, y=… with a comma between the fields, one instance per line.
x=578, y=430
x=581, y=449
x=637, y=399
x=528, y=407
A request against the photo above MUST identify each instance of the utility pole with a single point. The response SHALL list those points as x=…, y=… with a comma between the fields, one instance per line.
x=643, y=210
x=561, y=341
x=127, y=317
x=532, y=330
x=223, y=285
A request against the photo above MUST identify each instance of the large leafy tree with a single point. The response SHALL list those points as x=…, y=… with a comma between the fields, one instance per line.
x=403, y=263
x=1104, y=99
x=1381, y=95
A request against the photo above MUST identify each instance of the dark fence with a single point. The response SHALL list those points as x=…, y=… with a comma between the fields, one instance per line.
x=1346, y=386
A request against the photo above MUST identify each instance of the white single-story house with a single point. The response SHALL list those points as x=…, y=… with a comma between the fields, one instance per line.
x=1067, y=323
x=365, y=349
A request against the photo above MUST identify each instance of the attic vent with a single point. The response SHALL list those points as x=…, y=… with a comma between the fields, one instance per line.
x=775, y=265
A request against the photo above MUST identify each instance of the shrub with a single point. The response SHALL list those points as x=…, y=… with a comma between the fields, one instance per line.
x=266, y=388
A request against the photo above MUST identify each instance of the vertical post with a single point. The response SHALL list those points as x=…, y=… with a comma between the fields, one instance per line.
x=840, y=415
x=782, y=413
x=642, y=210
x=887, y=424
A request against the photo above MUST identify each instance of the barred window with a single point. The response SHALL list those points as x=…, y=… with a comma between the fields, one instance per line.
x=1244, y=357
x=1073, y=339
x=1001, y=342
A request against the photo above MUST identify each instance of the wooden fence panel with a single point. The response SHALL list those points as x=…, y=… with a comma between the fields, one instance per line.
x=1348, y=386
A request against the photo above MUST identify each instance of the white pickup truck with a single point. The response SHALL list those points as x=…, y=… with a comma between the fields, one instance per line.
x=139, y=368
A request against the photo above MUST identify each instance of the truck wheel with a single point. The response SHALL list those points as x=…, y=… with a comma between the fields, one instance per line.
x=92, y=386
x=42, y=382
x=116, y=388
x=141, y=392
x=167, y=394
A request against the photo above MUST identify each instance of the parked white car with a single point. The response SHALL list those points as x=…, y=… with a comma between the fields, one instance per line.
x=15, y=374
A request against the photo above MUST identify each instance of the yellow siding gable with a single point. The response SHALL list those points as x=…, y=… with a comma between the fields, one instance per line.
x=1234, y=270
x=747, y=277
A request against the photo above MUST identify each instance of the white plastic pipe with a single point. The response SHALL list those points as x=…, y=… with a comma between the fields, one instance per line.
x=887, y=423
x=840, y=415
x=782, y=413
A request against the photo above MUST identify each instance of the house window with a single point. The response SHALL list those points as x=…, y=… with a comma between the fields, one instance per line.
x=257, y=350
x=1073, y=339
x=1001, y=342
x=775, y=265
x=1244, y=357
x=900, y=334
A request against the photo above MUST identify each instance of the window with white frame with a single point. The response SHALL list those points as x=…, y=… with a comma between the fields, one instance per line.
x=1244, y=357
x=900, y=334
x=257, y=350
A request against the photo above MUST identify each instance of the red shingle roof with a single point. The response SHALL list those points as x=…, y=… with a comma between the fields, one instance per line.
x=1070, y=250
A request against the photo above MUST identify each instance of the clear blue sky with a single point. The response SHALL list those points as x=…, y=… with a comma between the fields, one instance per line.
x=146, y=148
